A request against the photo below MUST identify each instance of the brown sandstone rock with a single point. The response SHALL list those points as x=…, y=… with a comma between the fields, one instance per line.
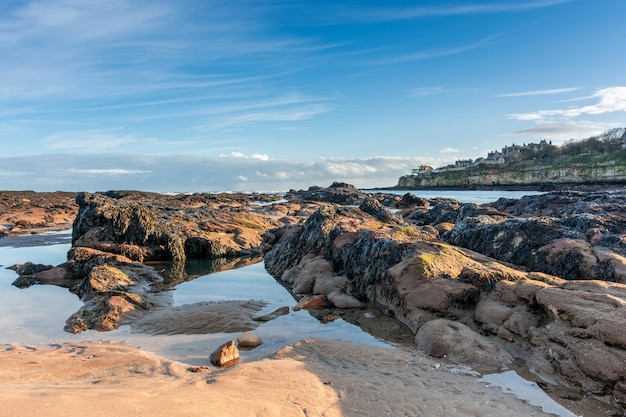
x=225, y=355
x=597, y=308
x=506, y=322
x=460, y=344
x=585, y=340
x=309, y=301
x=519, y=292
x=248, y=340
x=303, y=276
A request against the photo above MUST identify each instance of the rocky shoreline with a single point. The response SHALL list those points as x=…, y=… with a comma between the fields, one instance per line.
x=540, y=280
x=29, y=212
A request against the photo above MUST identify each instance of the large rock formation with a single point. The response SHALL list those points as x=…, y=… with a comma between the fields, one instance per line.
x=145, y=226
x=565, y=330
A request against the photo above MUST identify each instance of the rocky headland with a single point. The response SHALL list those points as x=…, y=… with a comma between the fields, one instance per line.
x=538, y=282
x=595, y=161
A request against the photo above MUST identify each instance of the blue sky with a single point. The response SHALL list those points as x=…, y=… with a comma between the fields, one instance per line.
x=208, y=95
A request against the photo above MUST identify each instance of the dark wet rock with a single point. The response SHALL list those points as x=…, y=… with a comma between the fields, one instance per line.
x=104, y=314
x=337, y=193
x=375, y=209
x=146, y=226
x=104, y=279
x=571, y=234
x=565, y=204
x=30, y=268
x=281, y=311
x=53, y=276
x=445, y=211
x=111, y=286
x=574, y=235
x=410, y=200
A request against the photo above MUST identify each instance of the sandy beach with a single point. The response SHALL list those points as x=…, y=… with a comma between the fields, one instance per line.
x=314, y=377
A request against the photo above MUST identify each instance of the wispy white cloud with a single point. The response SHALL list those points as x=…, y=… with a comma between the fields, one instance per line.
x=282, y=114
x=562, y=130
x=540, y=92
x=233, y=155
x=563, y=124
x=88, y=65
x=449, y=150
x=76, y=49
x=608, y=100
x=409, y=13
x=434, y=53
x=236, y=154
x=111, y=171
x=87, y=141
x=426, y=91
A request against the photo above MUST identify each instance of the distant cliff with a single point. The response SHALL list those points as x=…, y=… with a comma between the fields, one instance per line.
x=582, y=169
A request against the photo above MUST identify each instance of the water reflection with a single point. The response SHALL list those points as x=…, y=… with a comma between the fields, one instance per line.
x=175, y=273
x=37, y=314
x=41, y=239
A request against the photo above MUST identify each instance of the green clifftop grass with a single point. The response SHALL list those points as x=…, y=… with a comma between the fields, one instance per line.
x=576, y=169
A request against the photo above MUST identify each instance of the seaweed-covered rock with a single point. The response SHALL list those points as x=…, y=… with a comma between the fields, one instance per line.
x=375, y=209
x=499, y=310
x=572, y=234
x=337, y=193
x=147, y=226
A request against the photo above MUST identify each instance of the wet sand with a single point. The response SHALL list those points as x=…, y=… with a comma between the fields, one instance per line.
x=314, y=377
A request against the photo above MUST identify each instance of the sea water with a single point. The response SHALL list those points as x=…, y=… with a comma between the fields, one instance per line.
x=471, y=196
